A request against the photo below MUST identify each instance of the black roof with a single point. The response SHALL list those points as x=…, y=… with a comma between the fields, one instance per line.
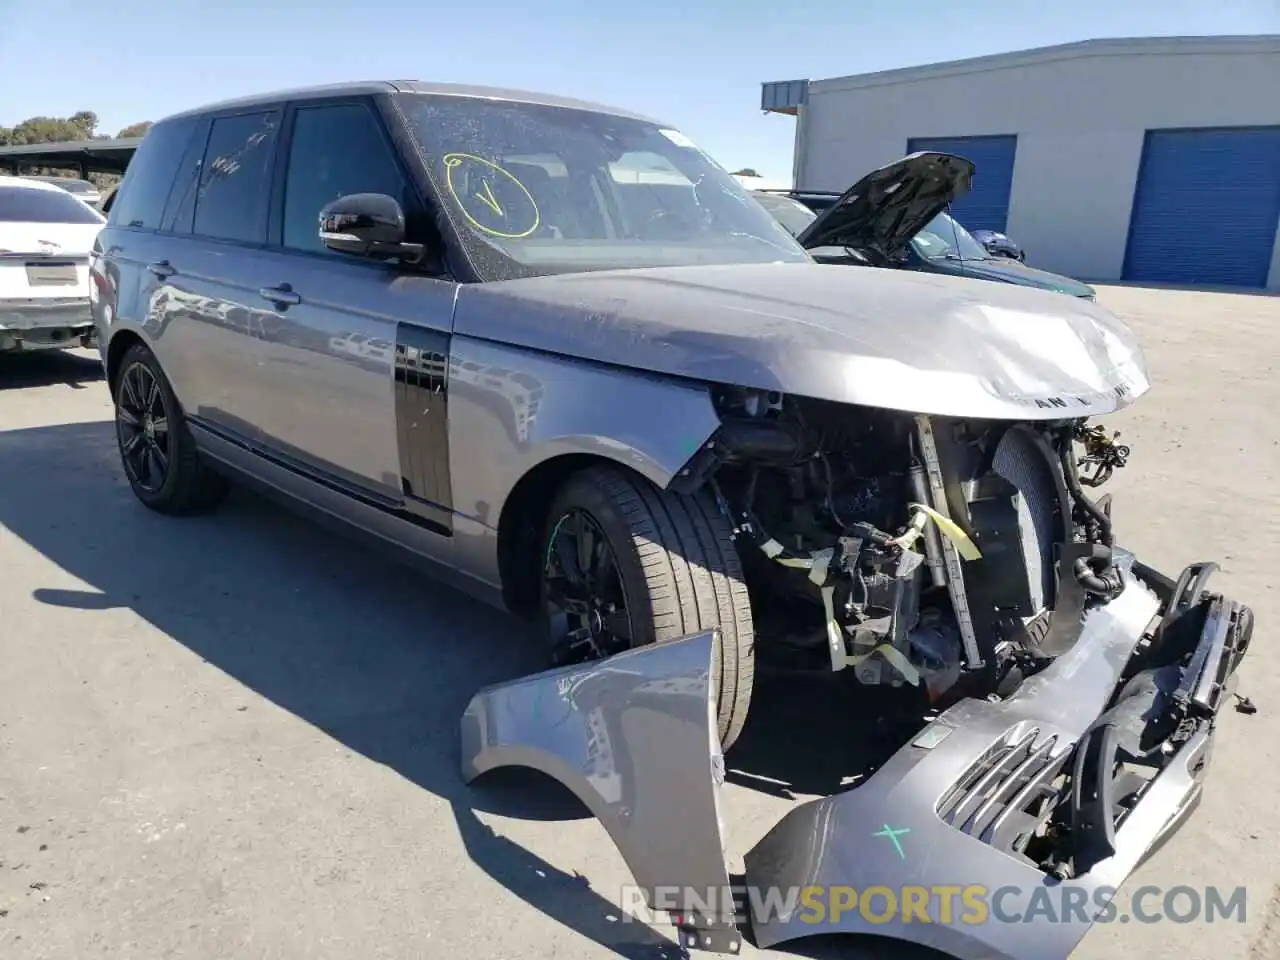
x=369, y=87
x=109, y=156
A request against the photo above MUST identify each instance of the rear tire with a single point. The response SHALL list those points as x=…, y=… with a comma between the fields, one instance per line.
x=678, y=570
x=157, y=450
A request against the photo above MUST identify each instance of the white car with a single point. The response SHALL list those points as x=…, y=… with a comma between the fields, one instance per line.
x=80, y=189
x=45, y=238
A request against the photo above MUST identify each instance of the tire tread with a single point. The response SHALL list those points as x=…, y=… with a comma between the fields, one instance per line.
x=694, y=580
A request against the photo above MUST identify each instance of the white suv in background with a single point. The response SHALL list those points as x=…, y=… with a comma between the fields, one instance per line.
x=45, y=238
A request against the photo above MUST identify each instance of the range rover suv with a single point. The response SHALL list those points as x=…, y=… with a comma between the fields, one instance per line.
x=559, y=353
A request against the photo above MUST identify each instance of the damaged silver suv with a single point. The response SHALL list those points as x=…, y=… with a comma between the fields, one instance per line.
x=557, y=352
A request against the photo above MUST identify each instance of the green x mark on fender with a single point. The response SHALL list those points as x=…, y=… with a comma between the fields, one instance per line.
x=893, y=835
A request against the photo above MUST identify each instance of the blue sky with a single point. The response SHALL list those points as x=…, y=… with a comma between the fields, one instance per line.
x=697, y=66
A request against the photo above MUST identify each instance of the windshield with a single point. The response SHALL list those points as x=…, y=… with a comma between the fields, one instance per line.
x=34, y=205
x=792, y=214
x=534, y=189
x=944, y=239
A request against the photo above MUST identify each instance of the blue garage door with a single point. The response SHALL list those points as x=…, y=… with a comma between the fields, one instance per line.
x=986, y=206
x=1206, y=207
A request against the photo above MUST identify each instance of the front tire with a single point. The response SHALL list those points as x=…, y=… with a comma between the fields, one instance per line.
x=157, y=450
x=625, y=564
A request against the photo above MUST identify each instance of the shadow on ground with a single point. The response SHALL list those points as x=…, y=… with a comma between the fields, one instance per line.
x=47, y=368
x=360, y=646
x=364, y=648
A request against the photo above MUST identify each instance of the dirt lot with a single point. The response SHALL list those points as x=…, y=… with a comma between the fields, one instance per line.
x=234, y=736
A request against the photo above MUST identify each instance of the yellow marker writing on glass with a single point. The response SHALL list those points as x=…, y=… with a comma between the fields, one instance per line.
x=486, y=197
x=452, y=161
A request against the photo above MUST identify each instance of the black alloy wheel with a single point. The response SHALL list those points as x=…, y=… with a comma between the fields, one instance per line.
x=624, y=564
x=585, y=603
x=142, y=427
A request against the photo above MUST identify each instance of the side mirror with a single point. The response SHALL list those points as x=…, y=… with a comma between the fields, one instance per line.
x=367, y=225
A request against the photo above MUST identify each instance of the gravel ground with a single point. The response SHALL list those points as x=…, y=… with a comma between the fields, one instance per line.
x=235, y=735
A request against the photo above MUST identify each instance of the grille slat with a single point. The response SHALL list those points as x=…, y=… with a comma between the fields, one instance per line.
x=999, y=798
x=1004, y=757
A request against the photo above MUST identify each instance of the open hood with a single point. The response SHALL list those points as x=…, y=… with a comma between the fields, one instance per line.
x=891, y=204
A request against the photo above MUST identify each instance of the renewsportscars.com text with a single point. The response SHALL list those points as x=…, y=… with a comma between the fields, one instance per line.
x=964, y=904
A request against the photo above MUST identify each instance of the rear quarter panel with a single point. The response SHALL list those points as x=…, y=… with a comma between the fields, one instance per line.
x=113, y=285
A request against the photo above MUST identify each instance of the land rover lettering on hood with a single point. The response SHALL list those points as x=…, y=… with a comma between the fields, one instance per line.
x=556, y=352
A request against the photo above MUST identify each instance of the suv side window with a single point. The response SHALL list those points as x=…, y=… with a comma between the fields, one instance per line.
x=335, y=150
x=139, y=200
x=235, y=178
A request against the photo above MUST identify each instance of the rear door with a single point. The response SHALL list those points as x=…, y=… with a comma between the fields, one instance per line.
x=203, y=280
x=332, y=340
x=132, y=240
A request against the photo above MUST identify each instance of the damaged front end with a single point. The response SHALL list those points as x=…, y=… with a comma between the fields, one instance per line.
x=1059, y=791
x=955, y=556
x=1068, y=693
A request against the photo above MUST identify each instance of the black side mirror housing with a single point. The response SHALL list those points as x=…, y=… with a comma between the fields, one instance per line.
x=367, y=225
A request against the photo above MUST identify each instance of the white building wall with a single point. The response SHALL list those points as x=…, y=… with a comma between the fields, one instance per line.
x=1080, y=113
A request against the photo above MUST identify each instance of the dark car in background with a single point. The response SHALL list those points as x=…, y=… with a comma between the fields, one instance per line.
x=896, y=216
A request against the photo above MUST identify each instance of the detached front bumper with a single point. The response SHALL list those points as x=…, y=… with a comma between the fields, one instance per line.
x=958, y=814
x=45, y=323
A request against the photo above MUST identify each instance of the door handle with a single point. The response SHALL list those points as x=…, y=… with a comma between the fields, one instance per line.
x=162, y=269
x=281, y=296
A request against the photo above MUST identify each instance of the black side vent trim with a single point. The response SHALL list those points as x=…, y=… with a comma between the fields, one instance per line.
x=422, y=418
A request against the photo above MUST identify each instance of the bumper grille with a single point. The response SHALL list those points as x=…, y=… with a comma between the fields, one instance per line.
x=1008, y=793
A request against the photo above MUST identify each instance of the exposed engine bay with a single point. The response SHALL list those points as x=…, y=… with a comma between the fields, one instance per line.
x=911, y=549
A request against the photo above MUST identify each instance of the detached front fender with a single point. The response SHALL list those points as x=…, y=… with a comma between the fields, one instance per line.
x=635, y=738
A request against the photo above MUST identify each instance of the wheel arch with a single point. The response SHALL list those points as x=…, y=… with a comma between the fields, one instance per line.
x=117, y=347
x=522, y=516
x=525, y=421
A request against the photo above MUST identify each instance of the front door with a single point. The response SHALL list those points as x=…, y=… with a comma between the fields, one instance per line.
x=332, y=339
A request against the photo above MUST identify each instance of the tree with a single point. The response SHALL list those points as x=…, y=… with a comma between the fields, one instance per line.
x=87, y=121
x=745, y=172
x=135, y=130
x=80, y=126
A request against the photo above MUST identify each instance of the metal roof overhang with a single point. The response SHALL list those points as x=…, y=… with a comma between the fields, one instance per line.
x=87, y=156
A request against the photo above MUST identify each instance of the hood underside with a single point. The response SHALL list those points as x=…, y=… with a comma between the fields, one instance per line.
x=895, y=339
x=891, y=204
